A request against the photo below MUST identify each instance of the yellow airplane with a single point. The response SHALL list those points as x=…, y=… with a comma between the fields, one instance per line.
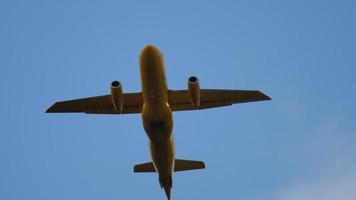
x=156, y=104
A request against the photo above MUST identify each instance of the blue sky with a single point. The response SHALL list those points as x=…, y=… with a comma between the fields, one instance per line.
x=300, y=145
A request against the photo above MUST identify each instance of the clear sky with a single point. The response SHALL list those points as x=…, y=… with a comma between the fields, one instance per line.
x=300, y=145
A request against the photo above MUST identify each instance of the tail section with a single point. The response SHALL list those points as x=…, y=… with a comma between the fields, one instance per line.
x=166, y=184
x=168, y=192
x=179, y=165
x=165, y=180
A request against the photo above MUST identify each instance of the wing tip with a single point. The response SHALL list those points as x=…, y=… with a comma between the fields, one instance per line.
x=50, y=109
x=135, y=169
x=268, y=98
x=264, y=97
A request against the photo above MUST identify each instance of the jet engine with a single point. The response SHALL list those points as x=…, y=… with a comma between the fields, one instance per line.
x=194, y=91
x=117, y=97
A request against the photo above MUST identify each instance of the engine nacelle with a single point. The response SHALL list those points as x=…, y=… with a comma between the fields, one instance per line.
x=117, y=97
x=194, y=91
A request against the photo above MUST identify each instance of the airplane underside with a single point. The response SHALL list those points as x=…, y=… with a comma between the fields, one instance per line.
x=156, y=103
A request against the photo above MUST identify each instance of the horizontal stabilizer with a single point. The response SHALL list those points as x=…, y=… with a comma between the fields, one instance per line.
x=180, y=165
x=144, y=167
x=185, y=165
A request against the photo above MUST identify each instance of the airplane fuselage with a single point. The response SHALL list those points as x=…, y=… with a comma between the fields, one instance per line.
x=157, y=115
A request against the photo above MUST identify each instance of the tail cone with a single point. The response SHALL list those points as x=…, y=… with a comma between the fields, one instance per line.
x=168, y=192
x=166, y=184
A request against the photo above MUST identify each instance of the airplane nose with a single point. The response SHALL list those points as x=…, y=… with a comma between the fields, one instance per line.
x=149, y=47
x=150, y=51
x=150, y=57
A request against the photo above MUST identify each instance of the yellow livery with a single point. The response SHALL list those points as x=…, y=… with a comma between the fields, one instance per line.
x=156, y=104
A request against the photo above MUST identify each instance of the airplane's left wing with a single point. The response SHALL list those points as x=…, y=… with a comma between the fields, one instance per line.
x=99, y=105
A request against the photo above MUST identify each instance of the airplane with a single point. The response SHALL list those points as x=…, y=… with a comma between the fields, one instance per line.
x=156, y=103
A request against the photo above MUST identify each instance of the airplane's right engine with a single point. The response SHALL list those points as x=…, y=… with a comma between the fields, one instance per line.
x=117, y=97
x=194, y=91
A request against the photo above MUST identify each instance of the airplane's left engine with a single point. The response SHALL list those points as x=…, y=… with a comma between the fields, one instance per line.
x=117, y=97
x=194, y=91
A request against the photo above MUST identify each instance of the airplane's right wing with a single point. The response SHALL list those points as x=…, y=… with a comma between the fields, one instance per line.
x=180, y=100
